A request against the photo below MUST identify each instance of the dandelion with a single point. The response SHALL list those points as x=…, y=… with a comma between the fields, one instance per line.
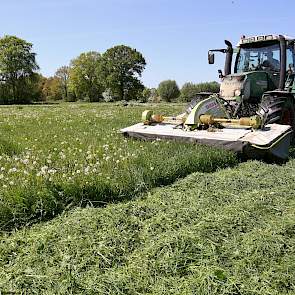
x=12, y=170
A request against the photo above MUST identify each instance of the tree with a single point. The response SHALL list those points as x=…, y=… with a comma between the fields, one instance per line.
x=145, y=94
x=18, y=68
x=168, y=90
x=189, y=91
x=52, y=89
x=208, y=87
x=84, y=79
x=120, y=70
x=62, y=74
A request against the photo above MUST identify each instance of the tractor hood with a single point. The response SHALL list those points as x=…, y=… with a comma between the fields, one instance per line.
x=232, y=86
x=246, y=85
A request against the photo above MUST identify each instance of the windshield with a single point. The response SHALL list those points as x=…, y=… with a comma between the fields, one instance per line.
x=261, y=58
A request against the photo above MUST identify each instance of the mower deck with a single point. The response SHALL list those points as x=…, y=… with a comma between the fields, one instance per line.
x=273, y=140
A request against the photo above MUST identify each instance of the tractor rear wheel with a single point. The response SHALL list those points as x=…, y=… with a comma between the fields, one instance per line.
x=278, y=109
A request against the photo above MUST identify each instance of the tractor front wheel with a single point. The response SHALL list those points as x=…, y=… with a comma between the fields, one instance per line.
x=280, y=110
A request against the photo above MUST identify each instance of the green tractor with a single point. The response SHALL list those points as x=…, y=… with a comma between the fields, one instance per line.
x=254, y=112
x=262, y=81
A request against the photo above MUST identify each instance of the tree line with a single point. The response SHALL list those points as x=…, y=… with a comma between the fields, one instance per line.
x=92, y=76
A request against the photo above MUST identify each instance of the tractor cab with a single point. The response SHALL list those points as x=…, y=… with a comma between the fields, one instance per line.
x=262, y=63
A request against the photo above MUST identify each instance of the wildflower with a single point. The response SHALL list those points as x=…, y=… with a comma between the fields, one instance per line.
x=25, y=161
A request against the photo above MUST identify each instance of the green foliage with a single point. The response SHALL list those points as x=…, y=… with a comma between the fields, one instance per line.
x=120, y=68
x=154, y=97
x=145, y=95
x=63, y=74
x=190, y=91
x=168, y=90
x=52, y=89
x=228, y=232
x=84, y=79
x=73, y=155
x=17, y=70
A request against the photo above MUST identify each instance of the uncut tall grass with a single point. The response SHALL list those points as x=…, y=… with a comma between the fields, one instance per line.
x=56, y=157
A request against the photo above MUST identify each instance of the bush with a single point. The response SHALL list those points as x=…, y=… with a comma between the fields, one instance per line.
x=168, y=90
x=145, y=95
x=189, y=91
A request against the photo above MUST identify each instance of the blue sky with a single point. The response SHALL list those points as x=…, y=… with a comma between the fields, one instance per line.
x=174, y=36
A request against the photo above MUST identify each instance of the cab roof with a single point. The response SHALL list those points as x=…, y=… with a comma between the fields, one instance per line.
x=262, y=38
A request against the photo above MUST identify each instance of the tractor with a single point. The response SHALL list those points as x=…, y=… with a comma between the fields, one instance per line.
x=254, y=112
x=262, y=80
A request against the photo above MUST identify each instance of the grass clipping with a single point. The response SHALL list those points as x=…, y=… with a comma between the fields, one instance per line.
x=231, y=232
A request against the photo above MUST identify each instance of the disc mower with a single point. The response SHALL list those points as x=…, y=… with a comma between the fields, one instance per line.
x=254, y=112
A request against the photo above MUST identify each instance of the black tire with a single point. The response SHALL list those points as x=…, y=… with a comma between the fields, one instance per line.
x=278, y=109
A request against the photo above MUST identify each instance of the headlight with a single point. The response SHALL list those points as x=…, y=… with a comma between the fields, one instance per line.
x=238, y=92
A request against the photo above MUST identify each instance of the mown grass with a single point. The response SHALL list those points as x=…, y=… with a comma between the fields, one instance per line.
x=57, y=157
x=229, y=232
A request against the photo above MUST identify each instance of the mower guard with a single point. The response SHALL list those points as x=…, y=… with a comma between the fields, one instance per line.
x=272, y=141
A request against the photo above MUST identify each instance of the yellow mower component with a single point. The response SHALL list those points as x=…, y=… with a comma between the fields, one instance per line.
x=254, y=122
x=148, y=118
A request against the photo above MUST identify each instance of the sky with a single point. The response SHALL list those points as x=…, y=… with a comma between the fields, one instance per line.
x=173, y=36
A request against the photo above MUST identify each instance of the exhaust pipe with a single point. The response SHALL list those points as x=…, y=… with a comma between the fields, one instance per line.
x=228, y=58
x=283, y=63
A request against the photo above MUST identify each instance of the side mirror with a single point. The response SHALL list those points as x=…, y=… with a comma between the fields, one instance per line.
x=211, y=58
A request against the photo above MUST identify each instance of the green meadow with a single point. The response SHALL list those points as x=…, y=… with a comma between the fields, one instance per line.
x=87, y=211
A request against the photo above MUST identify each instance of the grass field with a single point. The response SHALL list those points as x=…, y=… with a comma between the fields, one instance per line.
x=57, y=157
x=228, y=228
